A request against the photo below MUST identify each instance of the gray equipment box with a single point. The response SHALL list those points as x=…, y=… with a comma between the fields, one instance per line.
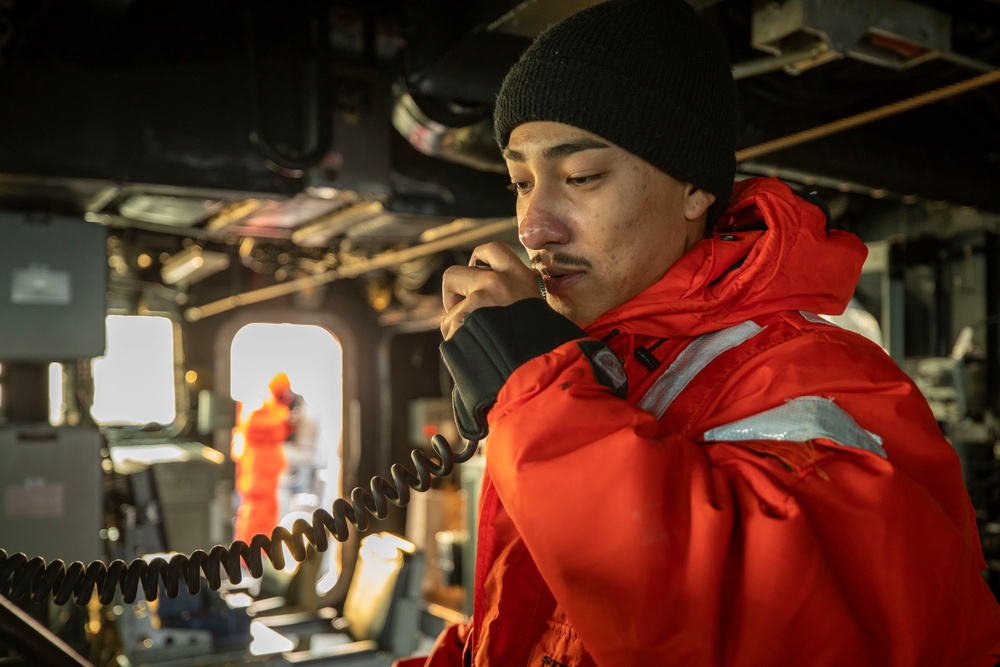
x=50, y=489
x=187, y=477
x=53, y=278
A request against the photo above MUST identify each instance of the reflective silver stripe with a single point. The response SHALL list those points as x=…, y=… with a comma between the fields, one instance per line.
x=693, y=359
x=813, y=317
x=798, y=420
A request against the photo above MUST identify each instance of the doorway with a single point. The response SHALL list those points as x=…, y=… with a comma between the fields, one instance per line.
x=312, y=358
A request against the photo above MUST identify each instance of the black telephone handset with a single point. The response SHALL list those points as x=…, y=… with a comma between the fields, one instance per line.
x=22, y=577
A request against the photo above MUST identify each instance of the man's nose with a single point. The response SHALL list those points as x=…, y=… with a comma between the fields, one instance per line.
x=539, y=226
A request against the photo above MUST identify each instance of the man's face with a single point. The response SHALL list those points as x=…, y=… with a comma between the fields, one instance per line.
x=600, y=223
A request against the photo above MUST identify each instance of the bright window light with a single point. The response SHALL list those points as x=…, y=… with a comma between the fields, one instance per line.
x=57, y=405
x=134, y=381
x=266, y=640
x=310, y=356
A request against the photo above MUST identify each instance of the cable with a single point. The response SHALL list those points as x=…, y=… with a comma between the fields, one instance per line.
x=867, y=116
x=22, y=577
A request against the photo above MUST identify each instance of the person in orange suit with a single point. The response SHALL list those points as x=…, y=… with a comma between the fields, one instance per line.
x=257, y=449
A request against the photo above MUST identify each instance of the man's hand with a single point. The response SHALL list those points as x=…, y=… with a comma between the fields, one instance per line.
x=495, y=277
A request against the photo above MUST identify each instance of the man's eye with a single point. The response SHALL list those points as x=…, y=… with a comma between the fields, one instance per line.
x=519, y=186
x=583, y=180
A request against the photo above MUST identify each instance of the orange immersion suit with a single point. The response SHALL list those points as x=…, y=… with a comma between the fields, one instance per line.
x=776, y=492
x=260, y=459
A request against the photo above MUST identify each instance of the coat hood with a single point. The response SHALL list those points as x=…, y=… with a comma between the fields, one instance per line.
x=771, y=251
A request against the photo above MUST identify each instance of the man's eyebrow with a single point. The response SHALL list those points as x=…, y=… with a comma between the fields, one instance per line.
x=559, y=150
x=570, y=147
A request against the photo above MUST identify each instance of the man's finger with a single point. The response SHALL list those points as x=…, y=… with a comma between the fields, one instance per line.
x=496, y=255
x=457, y=283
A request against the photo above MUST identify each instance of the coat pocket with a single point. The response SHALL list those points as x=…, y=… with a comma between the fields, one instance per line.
x=558, y=646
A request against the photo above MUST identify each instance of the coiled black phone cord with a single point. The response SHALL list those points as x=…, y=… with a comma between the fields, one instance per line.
x=22, y=577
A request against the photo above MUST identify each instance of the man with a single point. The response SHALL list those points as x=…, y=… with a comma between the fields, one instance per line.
x=686, y=465
x=257, y=449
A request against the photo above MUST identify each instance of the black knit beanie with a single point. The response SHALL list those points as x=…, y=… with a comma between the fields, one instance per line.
x=651, y=76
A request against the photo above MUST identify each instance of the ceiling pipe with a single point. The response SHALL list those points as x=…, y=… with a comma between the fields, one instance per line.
x=868, y=116
x=486, y=229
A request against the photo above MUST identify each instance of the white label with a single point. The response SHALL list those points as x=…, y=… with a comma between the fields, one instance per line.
x=35, y=501
x=40, y=285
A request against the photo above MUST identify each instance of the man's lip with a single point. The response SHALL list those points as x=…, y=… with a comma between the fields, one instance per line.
x=558, y=271
x=560, y=280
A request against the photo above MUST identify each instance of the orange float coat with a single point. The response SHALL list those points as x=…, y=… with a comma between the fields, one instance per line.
x=777, y=492
x=258, y=468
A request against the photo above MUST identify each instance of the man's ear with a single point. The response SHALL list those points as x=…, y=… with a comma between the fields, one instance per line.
x=696, y=202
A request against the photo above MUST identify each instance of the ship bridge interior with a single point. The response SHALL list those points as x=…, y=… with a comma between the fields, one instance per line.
x=241, y=188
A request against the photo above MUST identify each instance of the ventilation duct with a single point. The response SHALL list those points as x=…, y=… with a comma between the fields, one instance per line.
x=896, y=34
x=470, y=144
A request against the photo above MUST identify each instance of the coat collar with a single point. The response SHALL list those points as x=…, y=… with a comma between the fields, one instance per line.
x=771, y=251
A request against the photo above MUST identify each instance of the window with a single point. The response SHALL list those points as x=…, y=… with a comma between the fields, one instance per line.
x=134, y=381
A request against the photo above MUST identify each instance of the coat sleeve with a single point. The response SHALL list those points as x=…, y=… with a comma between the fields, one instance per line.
x=447, y=650
x=665, y=550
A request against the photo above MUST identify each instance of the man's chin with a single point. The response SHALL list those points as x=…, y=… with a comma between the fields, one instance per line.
x=566, y=308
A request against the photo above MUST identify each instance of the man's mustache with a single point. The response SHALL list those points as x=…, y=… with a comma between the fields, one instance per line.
x=563, y=259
